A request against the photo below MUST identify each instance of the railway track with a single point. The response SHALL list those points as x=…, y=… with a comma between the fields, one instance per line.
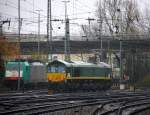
x=124, y=106
x=91, y=103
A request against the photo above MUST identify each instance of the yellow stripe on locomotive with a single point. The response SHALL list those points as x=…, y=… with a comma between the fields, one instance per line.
x=88, y=78
x=56, y=77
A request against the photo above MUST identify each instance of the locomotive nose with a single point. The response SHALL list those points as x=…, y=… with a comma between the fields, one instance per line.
x=56, y=77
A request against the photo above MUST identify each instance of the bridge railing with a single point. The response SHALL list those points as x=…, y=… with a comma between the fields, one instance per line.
x=34, y=37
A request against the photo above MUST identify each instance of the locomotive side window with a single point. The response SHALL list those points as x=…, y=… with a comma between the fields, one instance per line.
x=76, y=72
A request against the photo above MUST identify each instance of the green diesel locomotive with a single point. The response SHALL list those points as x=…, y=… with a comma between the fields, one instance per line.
x=72, y=76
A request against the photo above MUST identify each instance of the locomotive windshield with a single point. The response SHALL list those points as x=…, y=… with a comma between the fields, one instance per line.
x=13, y=67
x=56, y=69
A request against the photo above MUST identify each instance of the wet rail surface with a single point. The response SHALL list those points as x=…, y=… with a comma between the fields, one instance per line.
x=90, y=103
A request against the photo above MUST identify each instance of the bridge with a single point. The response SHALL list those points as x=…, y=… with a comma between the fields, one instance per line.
x=78, y=44
x=85, y=46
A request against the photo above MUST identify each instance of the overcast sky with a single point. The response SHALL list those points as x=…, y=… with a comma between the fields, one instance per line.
x=78, y=11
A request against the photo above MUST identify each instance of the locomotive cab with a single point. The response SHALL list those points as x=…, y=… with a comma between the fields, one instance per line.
x=56, y=72
x=13, y=74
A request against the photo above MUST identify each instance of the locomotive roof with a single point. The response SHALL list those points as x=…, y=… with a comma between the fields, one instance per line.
x=103, y=64
x=76, y=64
x=16, y=62
x=37, y=64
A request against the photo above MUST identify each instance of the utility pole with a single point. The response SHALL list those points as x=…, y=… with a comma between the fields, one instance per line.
x=121, y=76
x=67, y=35
x=100, y=30
x=120, y=40
x=120, y=61
x=39, y=32
x=19, y=25
x=49, y=27
x=48, y=7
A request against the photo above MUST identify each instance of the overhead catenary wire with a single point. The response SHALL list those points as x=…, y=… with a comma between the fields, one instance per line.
x=32, y=11
x=31, y=4
x=84, y=5
x=44, y=17
x=26, y=1
x=22, y=8
x=77, y=5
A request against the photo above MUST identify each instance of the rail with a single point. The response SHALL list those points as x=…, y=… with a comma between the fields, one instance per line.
x=104, y=103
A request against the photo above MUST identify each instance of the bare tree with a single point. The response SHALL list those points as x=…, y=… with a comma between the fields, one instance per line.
x=132, y=17
x=85, y=30
x=111, y=17
x=117, y=17
x=144, y=21
x=120, y=16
